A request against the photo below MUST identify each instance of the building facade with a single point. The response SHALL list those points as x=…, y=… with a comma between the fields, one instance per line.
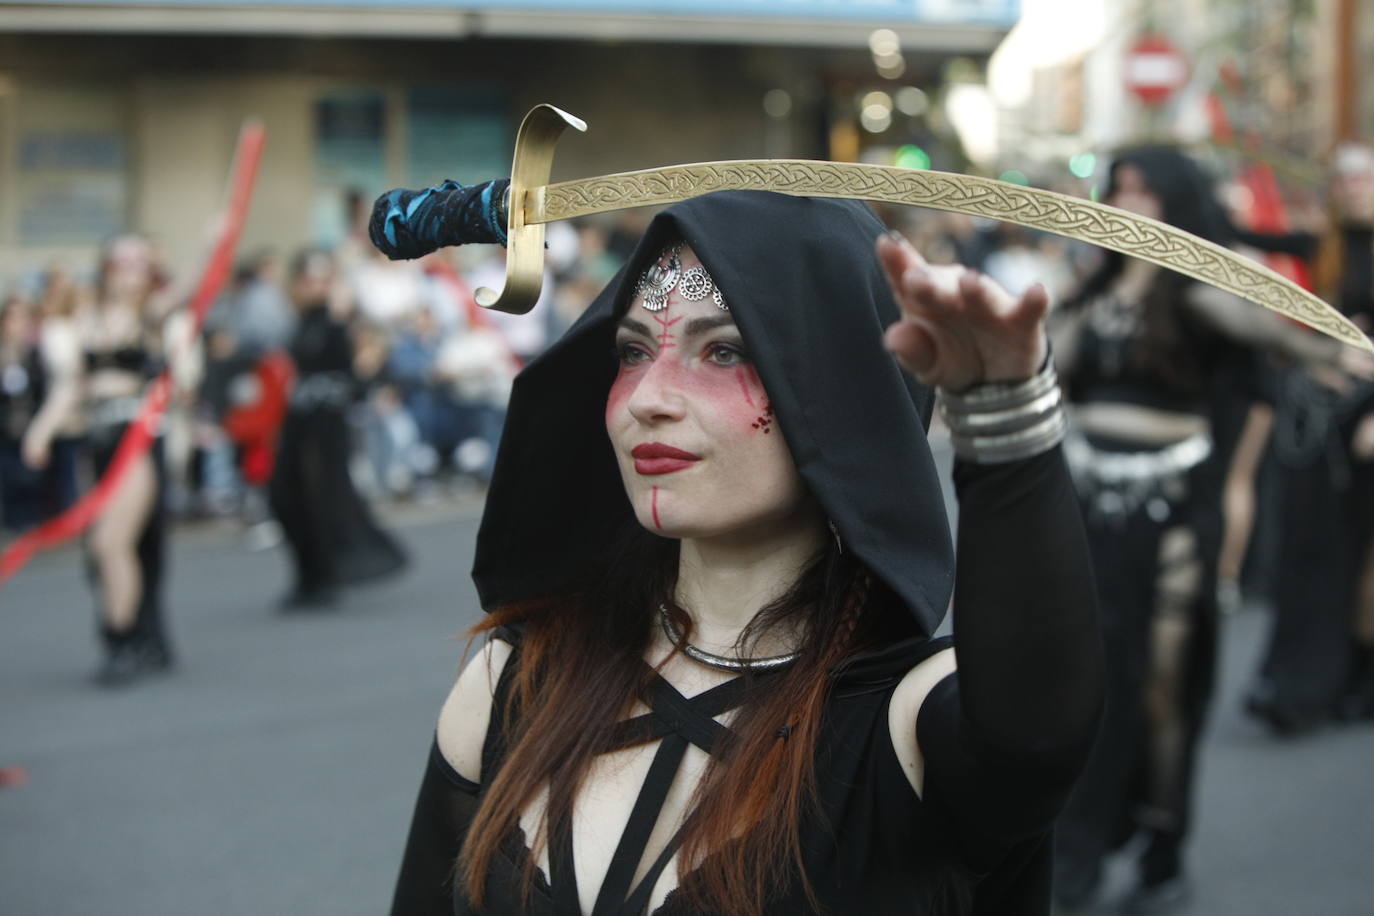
x=1276, y=81
x=118, y=117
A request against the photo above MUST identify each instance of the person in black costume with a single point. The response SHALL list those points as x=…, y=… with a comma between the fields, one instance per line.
x=332, y=535
x=1152, y=361
x=23, y=384
x=715, y=552
x=1320, y=657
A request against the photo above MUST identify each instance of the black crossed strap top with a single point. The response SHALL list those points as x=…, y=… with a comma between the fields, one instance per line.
x=1151, y=354
x=677, y=722
x=861, y=779
x=137, y=360
x=998, y=762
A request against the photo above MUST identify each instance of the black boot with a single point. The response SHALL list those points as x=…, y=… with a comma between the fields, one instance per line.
x=1162, y=887
x=129, y=656
x=311, y=597
x=1283, y=717
x=1356, y=701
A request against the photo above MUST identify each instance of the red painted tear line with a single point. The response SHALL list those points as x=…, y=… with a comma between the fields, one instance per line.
x=654, y=508
x=744, y=388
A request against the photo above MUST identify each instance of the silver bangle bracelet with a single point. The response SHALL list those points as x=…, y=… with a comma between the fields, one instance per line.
x=997, y=423
x=1024, y=443
x=994, y=396
x=991, y=422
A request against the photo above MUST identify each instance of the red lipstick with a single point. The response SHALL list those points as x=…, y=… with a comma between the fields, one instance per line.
x=656, y=458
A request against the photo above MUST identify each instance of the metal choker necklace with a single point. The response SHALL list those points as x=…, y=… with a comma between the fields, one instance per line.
x=720, y=661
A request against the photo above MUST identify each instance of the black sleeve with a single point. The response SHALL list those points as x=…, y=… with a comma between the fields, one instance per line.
x=444, y=810
x=1301, y=245
x=1356, y=291
x=1005, y=738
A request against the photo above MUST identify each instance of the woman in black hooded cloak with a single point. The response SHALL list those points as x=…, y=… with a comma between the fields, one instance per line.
x=715, y=552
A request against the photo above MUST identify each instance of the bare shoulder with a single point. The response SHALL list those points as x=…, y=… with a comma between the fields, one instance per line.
x=907, y=700
x=463, y=720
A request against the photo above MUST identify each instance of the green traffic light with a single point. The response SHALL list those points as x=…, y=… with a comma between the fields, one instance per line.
x=911, y=156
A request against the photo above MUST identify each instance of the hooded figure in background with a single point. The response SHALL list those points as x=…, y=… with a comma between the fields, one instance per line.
x=333, y=537
x=715, y=553
x=1319, y=661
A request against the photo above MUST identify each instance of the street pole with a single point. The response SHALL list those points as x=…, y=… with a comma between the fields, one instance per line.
x=1347, y=85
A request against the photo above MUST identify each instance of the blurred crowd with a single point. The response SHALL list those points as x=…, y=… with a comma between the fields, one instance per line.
x=431, y=370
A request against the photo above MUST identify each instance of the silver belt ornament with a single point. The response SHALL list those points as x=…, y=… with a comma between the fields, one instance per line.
x=1115, y=485
x=114, y=411
x=323, y=389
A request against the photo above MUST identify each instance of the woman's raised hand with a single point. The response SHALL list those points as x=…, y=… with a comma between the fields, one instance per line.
x=959, y=328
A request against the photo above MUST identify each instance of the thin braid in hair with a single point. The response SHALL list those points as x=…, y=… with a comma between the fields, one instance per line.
x=854, y=607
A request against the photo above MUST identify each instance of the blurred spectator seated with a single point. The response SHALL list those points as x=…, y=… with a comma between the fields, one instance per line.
x=22, y=389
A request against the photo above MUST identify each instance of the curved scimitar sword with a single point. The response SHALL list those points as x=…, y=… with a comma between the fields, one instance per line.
x=533, y=202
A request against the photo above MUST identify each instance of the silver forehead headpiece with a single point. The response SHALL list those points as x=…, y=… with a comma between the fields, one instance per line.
x=666, y=274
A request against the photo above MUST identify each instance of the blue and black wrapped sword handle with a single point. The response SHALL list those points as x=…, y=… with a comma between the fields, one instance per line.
x=408, y=224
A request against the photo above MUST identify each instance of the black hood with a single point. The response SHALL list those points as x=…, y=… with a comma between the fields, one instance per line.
x=805, y=288
x=1185, y=191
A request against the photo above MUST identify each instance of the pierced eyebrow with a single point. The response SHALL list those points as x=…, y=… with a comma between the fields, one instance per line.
x=702, y=325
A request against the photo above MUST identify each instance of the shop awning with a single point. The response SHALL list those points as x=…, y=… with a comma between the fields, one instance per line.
x=948, y=25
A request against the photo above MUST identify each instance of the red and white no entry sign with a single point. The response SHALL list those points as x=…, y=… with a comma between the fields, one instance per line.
x=1155, y=69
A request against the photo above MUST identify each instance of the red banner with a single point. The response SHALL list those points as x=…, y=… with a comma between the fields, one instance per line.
x=143, y=430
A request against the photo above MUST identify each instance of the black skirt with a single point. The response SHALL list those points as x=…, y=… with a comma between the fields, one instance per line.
x=333, y=536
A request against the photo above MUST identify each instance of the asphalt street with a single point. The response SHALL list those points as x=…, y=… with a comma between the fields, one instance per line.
x=274, y=771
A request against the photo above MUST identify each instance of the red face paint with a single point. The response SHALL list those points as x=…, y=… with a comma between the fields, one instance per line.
x=657, y=373
x=683, y=416
x=764, y=423
x=665, y=337
x=742, y=376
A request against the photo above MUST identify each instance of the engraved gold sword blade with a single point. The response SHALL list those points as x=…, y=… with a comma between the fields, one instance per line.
x=533, y=204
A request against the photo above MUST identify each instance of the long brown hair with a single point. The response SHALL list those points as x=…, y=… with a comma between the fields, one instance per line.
x=745, y=830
